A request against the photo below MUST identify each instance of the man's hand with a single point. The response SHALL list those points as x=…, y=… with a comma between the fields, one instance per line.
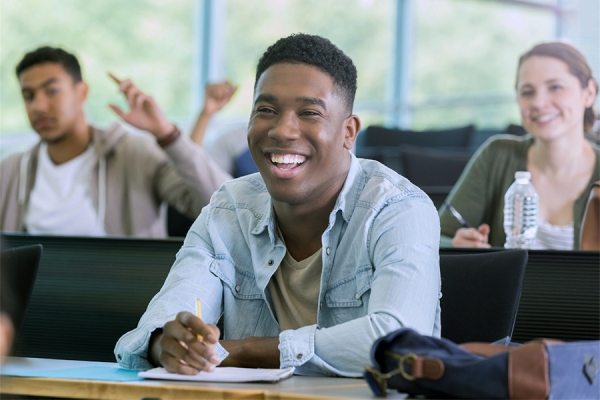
x=216, y=96
x=252, y=352
x=143, y=113
x=178, y=348
x=471, y=237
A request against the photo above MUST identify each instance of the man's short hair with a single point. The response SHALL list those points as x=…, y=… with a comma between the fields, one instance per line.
x=318, y=52
x=47, y=54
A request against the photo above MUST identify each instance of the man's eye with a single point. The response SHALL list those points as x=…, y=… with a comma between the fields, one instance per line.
x=527, y=93
x=265, y=110
x=554, y=88
x=309, y=113
x=52, y=91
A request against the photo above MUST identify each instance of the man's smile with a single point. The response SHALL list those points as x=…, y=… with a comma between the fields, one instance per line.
x=286, y=165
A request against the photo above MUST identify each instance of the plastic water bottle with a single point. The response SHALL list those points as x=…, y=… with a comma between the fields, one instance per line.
x=520, y=212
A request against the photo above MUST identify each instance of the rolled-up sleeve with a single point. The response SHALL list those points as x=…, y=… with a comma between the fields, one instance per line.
x=189, y=278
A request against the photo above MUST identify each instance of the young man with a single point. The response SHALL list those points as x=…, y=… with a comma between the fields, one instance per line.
x=308, y=262
x=81, y=180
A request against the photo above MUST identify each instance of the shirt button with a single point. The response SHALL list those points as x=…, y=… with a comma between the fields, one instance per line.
x=328, y=250
x=120, y=357
x=271, y=262
x=357, y=296
x=299, y=356
x=237, y=288
x=321, y=305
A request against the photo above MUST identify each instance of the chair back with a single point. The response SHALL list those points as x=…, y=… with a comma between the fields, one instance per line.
x=433, y=167
x=90, y=291
x=19, y=267
x=480, y=294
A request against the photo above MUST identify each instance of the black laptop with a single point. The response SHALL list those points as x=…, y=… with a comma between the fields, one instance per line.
x=18, y=269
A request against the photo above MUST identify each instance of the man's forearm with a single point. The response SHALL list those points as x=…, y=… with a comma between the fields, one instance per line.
x=252, y=352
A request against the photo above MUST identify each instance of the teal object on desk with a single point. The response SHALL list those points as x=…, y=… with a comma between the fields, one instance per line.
x=94, y=373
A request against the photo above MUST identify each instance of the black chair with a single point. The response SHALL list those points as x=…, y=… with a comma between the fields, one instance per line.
x=19, y=267
x=178, y=224
x=480, y=294
x=374, y=136
x=89, y=292
x=433, y=167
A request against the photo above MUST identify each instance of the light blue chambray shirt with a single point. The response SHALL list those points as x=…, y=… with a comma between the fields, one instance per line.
x=380, y=272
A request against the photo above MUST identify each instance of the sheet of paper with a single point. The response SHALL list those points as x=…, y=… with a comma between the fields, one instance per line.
x=224, y=374
x=94, y=373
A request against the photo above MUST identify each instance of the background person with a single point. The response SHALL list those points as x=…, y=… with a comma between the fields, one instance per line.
x=82, y=180
x=555, y=92
x=308, y=262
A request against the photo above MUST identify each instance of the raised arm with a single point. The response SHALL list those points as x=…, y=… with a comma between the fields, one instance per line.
x=191, y=177
x=216, y=96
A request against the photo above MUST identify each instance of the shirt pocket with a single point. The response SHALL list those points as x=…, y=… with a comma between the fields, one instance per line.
x=243, y=303
x=348, y=298
x=240, y=283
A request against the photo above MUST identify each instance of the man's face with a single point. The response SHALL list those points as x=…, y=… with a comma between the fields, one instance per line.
x=299, y=134
x=53, y=101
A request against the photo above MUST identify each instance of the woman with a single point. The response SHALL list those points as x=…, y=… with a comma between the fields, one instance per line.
x=555, y=92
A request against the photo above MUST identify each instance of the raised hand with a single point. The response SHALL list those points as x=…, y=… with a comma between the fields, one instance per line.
x=143, y=113
x=217, y=95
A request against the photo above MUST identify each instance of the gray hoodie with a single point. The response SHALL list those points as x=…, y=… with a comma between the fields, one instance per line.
x=131, y=180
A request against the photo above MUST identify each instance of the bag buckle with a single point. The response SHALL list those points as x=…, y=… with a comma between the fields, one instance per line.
x=409, y=359
x=381, y=380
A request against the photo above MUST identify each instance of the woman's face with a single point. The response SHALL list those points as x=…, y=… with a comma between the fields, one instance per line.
x=551, y=99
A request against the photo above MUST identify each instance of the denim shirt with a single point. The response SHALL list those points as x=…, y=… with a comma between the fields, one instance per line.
x=380, y=272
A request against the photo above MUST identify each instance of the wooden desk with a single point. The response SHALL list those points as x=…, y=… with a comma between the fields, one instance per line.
x=297, y=387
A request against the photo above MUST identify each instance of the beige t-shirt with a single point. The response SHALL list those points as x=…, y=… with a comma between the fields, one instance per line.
x=295, y=291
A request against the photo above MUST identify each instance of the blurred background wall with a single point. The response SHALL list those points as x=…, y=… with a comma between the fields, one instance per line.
x=422, y=63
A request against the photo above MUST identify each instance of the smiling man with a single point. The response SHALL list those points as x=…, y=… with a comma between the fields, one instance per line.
x=83, y=180
x=309, y=261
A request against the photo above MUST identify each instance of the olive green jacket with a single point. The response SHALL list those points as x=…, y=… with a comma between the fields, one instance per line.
x=479, y=193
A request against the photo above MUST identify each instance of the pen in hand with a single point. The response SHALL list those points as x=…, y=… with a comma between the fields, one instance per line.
x=457, y=215
x=199, y=314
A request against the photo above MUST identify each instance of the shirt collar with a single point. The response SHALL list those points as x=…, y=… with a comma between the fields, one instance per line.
x=346, y=201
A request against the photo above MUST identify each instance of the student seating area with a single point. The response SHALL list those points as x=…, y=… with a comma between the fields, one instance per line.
x=431, y=159
x=89, y=291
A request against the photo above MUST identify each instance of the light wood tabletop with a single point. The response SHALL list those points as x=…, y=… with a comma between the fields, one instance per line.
x=296, y=387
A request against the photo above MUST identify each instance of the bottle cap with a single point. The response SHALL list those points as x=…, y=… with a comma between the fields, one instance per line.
x=522, y=175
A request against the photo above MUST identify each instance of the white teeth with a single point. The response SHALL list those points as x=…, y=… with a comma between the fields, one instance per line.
x=545, y=118
x=287, y=158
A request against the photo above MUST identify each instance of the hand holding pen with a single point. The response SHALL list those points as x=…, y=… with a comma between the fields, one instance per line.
x=186, y=345
x=468, y=236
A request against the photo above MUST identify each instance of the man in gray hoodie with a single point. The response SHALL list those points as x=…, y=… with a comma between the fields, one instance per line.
x=82, y=180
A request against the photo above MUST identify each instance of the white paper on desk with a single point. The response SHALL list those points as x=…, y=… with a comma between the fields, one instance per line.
x=224, y=374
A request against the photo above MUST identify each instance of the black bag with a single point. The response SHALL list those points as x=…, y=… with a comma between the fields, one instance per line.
x=422, y=365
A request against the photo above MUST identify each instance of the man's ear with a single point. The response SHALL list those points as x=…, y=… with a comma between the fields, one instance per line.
x=82, y=89
x=351, y=129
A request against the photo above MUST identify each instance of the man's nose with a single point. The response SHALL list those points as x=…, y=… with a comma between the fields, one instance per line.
x=39, y=103
x=286, y=127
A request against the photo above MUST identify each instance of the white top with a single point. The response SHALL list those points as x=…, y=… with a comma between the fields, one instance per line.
x=61, y=202
x=553, y=237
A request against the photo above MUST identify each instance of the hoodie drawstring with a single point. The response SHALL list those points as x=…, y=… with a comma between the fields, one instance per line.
x=23, y=178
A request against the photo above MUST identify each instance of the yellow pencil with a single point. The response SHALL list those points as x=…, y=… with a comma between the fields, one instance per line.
x=199, y=314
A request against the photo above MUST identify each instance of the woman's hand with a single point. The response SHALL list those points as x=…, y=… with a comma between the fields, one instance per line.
x=471, y=237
